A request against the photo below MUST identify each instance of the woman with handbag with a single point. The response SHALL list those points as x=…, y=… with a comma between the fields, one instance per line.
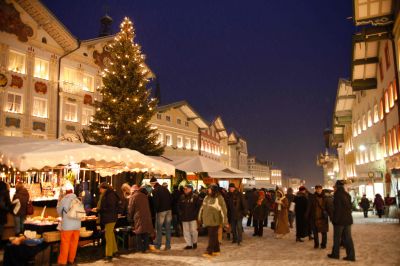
x=20, y=201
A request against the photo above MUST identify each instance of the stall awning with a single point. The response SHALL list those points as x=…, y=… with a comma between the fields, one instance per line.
x=365, y=58
x=25, y=154
x=195, y=164
x=230, y=173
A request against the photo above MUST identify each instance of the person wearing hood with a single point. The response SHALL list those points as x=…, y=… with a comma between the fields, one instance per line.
x=379, y=205
x=69, y=227
x=281, y=214
x=20, y=201
x=188, y=208
x=212, y=214
x=342, y=221
x=139, y=216
x=301, y=206
x=290, y=196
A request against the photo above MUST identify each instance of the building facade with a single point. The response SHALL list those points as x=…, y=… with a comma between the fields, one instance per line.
x=260, y=171
x=276, y=177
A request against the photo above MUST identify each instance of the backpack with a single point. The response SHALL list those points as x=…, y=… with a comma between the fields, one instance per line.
x=76, y=210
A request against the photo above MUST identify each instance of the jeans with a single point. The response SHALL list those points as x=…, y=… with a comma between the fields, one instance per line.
x=163, y=218
x=190, y=232
x=213, y=243
x=19, y=224
x=142, y=242
x=237, y=229
x=258, y=227
x=338, y=232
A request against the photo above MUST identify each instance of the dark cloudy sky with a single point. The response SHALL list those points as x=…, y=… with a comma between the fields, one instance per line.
x=269, y=68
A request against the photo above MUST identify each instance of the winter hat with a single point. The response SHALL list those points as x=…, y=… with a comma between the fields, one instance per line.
x=339, y=183
x=68, y=187
x=302, y=188
x=232, y=185
x=153, y=180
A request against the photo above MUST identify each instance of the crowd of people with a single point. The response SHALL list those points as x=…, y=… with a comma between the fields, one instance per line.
x=155, y=212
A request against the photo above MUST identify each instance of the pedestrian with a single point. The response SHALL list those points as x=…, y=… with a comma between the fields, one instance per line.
x=319, y=211
x=162, y=201
x=237, y=209
x=270, y=202
x=212, y=214
x=221, y=228
x=70, y=227
x=125, y=195
x=20, y=201
x=176, y=223
x=379, y=205
x=5, y=205
x=342, y=221
x=251, y=198
x=188, y=207
x=108, y=211
x=139, y=216
x=259, y=211
x=301, y=202
x=281, y=214
x=364, y=204
x=290, y=196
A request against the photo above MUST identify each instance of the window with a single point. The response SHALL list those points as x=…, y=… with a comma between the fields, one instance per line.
x=186, y=123
x=179, y=142
x=391, y=96
x=394, y=140
x=376, y=113
x=160, y=139
x=387, y=109
x=394, y=90
x=194, y=144
x=383, y=146
x=16, y=62
x=70, y=112
x=355, y=129
x=41, y=68
x=87, y=116
x=364, y=122
x=387, y=55
x=158, y=116
x=88, y=83
x=39, y=107
x=179, y=121
x=187, y=143
x=359, y=127
x=168, y=139
x=390, y=144
x=70, y=75
x=168, y=118
x=381, y=112
x=14, y=103
x=369, y=114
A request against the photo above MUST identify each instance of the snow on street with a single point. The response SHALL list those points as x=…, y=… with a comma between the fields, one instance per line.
x=376, y=242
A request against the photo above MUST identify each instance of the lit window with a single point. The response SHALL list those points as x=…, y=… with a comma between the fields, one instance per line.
x=88, y=83
x=179, y=142
x=355, y=129
x=168, y=118
x=41, y=68
x=16, y=62
x=383, y=147
x=381, y=110
x=391, y=96
x=359, y=128
x=394, y=90
x=390, y=144
x=372, y=155
x=194, y=144
x=160, y=139
x=70, y=75
x=187, y=143
x=376, y=113
x=387, y=109
x=394, y=140
x=369, y=114
x=87, y=116
x=14, y=103
x=39, y=107
x=158, y=116
x=364, y=122
x=70, y=112
x=366, y=157
x=168, y=139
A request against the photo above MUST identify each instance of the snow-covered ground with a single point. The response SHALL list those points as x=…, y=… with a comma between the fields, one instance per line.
x=377, y=242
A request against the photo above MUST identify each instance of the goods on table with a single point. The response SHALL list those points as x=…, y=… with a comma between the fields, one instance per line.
x=17, y=240
x=33, y=241
x=84, y=233
x=39, y=220
x=52, y=236
x=31, y=234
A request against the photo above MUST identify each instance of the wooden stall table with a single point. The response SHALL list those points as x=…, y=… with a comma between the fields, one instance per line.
x=19, y=255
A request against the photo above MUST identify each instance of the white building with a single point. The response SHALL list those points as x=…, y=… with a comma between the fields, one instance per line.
x=276, y=177
x=260, y=171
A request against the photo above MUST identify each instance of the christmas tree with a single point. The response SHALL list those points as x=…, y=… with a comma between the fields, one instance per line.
x=122, y=116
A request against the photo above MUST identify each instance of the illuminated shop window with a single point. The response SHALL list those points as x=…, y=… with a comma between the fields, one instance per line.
x=387, y=109
x=39, y=107
x=87, y=116
x=14, y=103
x=70, y=112
x=381, y=110
x=41, y=68
x=16, y=62
x=369, y=117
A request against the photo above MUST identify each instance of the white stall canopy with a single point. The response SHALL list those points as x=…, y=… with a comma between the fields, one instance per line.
x=196, y=164
x=26, y=154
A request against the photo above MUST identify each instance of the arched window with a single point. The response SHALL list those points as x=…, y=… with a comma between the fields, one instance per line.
x=381, y=110
x=387, y=109
x=394, y=140
x=376, y=113
x=369, y=118
x=391, y=96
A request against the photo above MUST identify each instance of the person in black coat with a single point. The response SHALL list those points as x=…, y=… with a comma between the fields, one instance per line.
x=342, y=221
x=301, y=206
x=251, y=198
x=176, y=221
x=162, y=200
x=260, y=211
x=237, y=208
x=364, y=204
x=5, y=206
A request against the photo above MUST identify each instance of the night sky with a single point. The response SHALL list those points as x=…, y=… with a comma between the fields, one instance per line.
x=269, y=68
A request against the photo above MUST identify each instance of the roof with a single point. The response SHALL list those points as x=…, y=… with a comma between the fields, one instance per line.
x=220, y=127
x=49, y=22
x=187, y=109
